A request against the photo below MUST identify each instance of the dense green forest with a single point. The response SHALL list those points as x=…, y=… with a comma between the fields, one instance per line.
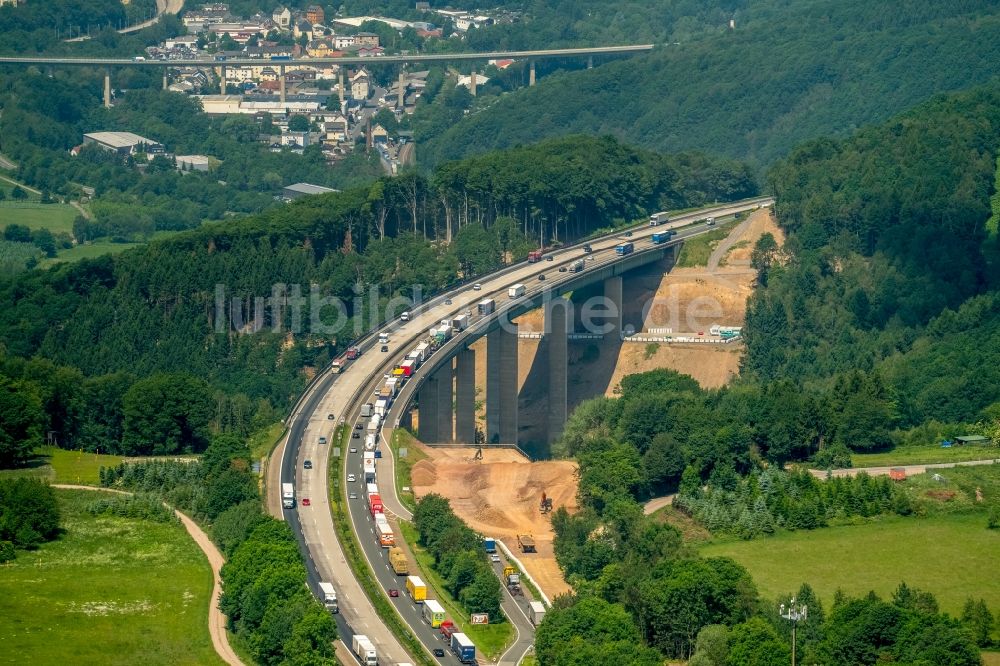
x=789, y=72
x=889, y=268
x=134, y=353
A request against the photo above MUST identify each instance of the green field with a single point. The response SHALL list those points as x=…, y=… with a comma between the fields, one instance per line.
x=952, y=556
x=57, y=218
x=916, y=455
x=90, y=250
x=110, y=591
x=491, y=639
x=62, y=466
x=696, y=251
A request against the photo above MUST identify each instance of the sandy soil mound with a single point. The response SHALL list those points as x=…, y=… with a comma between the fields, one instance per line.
x=499, y=497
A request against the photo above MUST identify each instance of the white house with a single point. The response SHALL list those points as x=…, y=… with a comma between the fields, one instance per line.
x=282, y=17
x=360, y=84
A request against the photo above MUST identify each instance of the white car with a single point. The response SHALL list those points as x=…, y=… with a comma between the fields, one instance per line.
x=351, y=478
x=405, y=316
x=477, y=287
x=494, y=557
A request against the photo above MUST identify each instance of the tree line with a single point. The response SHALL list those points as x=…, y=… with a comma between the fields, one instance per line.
x=459, y=557
x=29, y=515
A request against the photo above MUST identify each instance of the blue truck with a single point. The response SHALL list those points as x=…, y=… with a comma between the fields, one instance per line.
x=624, y=248
x=662, y=237
x=490, y=544
x=463, y=648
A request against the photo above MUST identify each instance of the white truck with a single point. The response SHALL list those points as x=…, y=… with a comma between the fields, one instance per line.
x=381, y=407
x=370, y=442
x=517, y=291
x=460, y=323
x=487, y=306
x=536, y=611
x=364, y=650
x=366, y=410
x=374, y=423
x=288, y=496
x=329, y=597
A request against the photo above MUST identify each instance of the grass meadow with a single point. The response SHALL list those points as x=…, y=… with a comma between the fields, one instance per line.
x=110, y=591
x=952, y=556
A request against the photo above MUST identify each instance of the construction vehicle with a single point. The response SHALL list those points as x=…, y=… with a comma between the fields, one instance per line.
x=545, y=506
x=526, y=543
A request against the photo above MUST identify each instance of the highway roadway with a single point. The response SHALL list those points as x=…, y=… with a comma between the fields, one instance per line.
x=342, y=395
x=352, y=60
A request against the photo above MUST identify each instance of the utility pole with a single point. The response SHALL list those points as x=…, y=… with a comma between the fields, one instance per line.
x=794, y=614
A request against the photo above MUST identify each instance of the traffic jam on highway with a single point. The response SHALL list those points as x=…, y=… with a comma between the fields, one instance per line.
x=368, y=429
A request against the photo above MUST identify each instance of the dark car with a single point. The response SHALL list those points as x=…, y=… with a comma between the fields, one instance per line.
x=628, y=234
x=308, y=464
x=438, y=652
x=542, y=276
x=447, y=301
x=562, y=269
x=356, y=435
x=358, y=426
x=587, y=249
x=329, y=417
x=393, y=592
x=385, y=348
x=548, y=258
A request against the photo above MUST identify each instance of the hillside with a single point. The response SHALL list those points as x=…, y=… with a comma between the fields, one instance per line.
x=892, y=270
x=789, y=72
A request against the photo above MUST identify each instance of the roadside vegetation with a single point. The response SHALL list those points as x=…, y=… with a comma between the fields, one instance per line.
x=696, y=251
x=402, y=438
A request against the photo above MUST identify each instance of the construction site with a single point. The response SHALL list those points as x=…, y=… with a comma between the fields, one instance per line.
x=501, y=496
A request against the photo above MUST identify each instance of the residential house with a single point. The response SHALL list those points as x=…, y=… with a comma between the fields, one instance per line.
x=360, y=85
x=181, y=42
x=366, y=39
x=341, y=42
x=268, y=74
x=315, y=14
x=369, y=51
x=282, y=17
x=302, y=27
x=319, y=48
x=335, y=128
x=192, y=162
x=423, y=6
x=295, y=139
x=269, y=52
x=379, y=135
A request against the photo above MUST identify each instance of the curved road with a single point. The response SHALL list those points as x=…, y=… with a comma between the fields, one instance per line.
x=216, y=619
x=162, y=7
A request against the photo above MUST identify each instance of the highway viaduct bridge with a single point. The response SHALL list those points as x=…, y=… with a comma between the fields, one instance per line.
x=282, y=65
x=444, y=386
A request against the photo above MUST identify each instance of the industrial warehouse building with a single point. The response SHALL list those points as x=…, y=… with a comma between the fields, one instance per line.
x=304, y=189
x=123, y=143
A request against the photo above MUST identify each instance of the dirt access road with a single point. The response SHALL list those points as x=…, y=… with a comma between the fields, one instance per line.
x=216, y=619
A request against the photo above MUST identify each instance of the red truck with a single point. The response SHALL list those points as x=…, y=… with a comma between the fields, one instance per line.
x=534, y=256
x=447, y=629
x=353, y=353
x=375, y=503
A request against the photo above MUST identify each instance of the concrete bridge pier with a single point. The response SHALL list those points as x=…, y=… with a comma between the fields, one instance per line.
x=427, y=398
x=590, y=62
x=281, y=83
x=222, y=80
x=472, y=83
x=340, y=84
x=166, y=82
x=107, y=88
x=501, y=385
x=445, y=404
x=531, y=72
x=557, y=336
x=465, y=397
x=401, y=98
x=613, y=294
